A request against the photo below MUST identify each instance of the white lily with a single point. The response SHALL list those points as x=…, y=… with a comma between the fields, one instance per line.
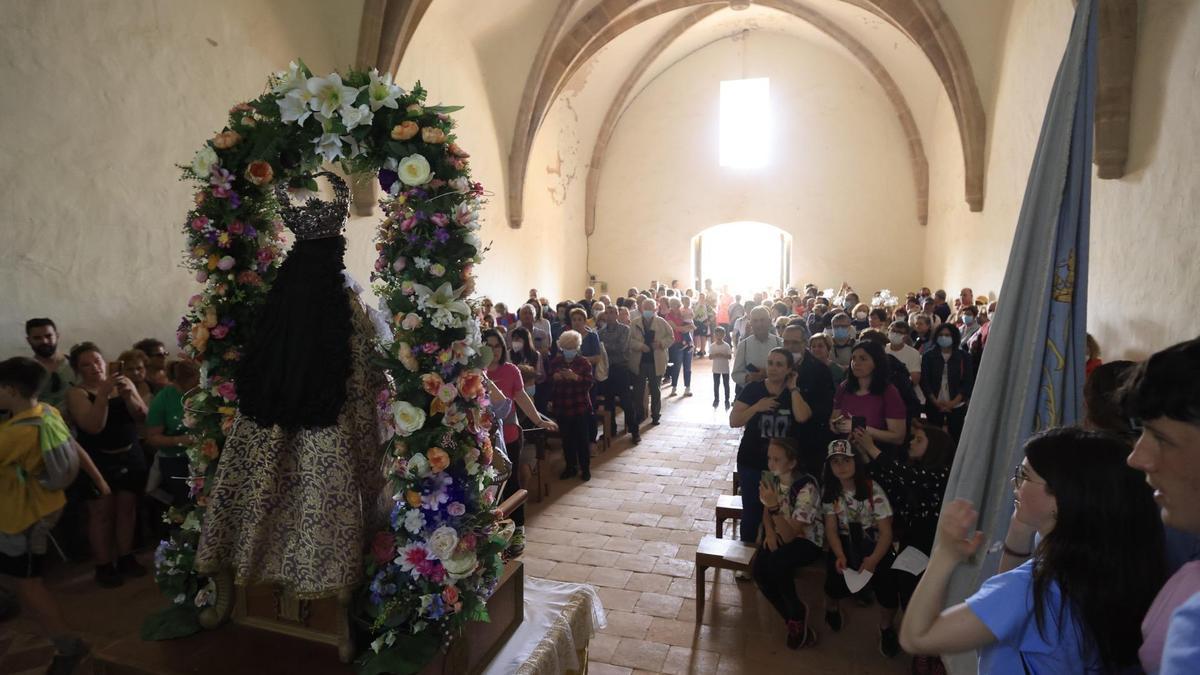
x=328, y=146
x=381, y=92
x=355, y=148
x=329, y=94
x=445, y=298
x=294, y=106
x=353, y=117
x=287, y=80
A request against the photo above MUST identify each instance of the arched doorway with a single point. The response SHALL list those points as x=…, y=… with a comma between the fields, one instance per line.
x=746, y=256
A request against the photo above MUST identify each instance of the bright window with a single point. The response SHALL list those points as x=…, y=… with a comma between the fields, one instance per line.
x=745, y=123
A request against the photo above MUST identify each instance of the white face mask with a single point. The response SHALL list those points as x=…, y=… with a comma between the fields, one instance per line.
x=896, y=338
x=860, y=316
x=518, y=345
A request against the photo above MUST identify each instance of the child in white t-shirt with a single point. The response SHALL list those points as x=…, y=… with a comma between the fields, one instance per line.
x=720, y=352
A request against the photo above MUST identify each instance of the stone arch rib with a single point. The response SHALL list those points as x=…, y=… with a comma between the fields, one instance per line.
x=922, y=21
x=920, y=165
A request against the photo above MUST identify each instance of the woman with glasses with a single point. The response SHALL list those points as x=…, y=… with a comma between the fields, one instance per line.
x=1075, y=602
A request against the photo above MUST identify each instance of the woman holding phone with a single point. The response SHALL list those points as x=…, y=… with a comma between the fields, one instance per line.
x=767, y=408
x=868, y=396
x=106, y=411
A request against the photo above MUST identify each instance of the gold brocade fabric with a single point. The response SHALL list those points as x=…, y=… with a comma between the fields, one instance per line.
x=566, y=641
x=296, y=508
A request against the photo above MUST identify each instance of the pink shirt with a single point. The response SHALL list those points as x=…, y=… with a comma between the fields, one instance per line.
x=1181, y=586
x=877, y=409
x=508, y=380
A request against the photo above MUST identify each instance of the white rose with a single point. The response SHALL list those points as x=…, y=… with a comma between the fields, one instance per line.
x=414, y=170
x=411, y=321
x=442, y=542
x=460, y=184
x=414, y=520
x=203, y=162
x=437, y=269
x=460, y=566
x=418, y=466
x=408, y=417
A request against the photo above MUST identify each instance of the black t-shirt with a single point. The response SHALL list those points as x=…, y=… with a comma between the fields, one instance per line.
x=779, y=423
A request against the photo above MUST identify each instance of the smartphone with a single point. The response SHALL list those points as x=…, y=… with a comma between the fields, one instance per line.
x=858, y=422
x=770, y=480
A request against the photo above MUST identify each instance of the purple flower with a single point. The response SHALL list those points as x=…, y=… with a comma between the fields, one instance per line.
x=441, y=235
x=250, y=232
x=234, y=200
x=388, y=178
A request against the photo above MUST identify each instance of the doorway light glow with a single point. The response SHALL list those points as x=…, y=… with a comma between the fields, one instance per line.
x=743, y=255
x=745, y=126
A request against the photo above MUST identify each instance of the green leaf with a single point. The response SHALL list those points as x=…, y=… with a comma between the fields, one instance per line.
x=173, y=622
x=444, y=109
x=408, y=655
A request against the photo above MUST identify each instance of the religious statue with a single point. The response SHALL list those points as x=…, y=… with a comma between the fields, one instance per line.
x=298, y=489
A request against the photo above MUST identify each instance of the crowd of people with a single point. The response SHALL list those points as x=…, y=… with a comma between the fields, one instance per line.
x=851, y=410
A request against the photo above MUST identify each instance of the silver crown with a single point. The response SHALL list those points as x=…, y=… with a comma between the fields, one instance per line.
x=316, y=218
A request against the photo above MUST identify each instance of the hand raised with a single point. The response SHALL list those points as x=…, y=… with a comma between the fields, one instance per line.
x=956, y=529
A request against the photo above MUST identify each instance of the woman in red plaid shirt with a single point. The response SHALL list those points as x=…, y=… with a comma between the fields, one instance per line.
x=572, y=377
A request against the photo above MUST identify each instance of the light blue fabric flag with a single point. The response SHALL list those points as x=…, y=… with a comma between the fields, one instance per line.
x=1032, y=373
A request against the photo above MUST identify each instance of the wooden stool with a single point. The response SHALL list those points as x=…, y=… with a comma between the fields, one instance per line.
x=729, y=507
x=722, y=554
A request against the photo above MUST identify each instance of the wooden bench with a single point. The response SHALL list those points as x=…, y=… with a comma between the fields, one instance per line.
x=721, y=554
x=729, y=507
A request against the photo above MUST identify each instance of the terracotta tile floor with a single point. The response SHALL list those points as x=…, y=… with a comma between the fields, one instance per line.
x=631, y=532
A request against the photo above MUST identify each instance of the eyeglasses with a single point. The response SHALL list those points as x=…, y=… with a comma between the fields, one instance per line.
x=1019, y=477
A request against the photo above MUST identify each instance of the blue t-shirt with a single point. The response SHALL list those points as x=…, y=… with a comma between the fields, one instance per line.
x=1005, y=605
x=1181, y=654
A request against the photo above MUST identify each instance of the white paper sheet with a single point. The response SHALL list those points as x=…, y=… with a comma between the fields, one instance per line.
x=856, y=581
x=911, y=560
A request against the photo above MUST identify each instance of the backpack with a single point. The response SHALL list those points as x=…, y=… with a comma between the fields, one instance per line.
x=60, y=453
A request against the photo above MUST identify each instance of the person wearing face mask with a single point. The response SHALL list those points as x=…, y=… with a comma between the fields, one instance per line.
x=528, y=360
x=649, y=338
x=816, y=318
x=571, y=373
x=898, y=347
x=922, y=332
x=860, y=317
x=538, y=328
x=969, y=318
x=814, y=382
x=42, y=336
x=843, y=334
x=619, y=387
x=947, y=377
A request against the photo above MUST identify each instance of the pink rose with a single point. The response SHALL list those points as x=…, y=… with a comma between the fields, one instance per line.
x=237, y=227
x=399, y=264
x=227, y=391
x=456, y=509
x=219, y=332
x=201, y=276
x=199, y=223
x=226, y=263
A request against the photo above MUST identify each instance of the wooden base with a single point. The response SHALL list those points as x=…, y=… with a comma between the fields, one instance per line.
x=240, y=648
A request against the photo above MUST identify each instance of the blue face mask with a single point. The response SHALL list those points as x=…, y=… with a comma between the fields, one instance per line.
x=569, y=354
x=841, y=333
x=968, y=319
x=647, y=314
x=531, y=390
x=945, y=341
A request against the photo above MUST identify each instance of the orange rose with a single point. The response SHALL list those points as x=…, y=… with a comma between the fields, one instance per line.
x=209, y=449
x=200, y=197
x=430, y=382
x=226, y=139
x=405, y=130
x=456, y=151
x=199, y=337
x=433, y=135
x=413, y=498
x=260, y=172
x=439, y=461
x=470, y=384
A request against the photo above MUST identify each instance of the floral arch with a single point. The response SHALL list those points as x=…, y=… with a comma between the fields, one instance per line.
x=439, y=561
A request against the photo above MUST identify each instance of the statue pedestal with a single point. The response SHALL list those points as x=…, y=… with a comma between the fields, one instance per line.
x=245, y=647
